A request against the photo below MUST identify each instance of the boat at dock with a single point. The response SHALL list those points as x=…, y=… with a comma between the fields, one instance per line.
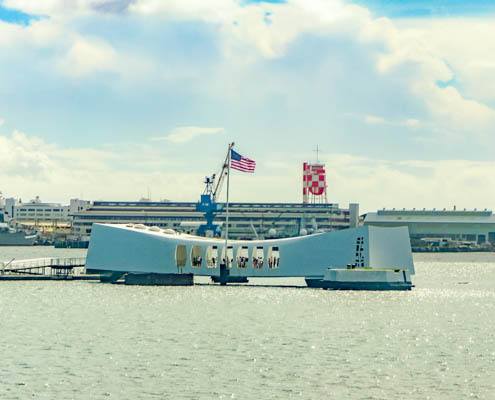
x=11, y=236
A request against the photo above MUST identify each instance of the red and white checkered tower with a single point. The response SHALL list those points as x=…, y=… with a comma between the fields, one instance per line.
x=314, y=183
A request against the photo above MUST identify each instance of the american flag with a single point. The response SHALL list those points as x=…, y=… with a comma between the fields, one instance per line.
x=241, y=163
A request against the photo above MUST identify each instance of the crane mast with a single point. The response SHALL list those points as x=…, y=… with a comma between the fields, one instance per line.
x=208, y=201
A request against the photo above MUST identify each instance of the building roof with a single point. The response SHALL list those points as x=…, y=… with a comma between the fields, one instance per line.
x=431, y=216
x=193, y=204
x=39, y=205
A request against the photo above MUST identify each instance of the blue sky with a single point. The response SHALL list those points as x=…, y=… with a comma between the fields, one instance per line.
x=389, y=8
x=15, y=16
x=429, y=8
x=144, y=94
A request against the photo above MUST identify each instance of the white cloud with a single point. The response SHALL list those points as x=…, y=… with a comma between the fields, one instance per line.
x=411, y=123
x=2, y=121
x=377, y=183
x=87, y=56
x=423, y=52
x=31, y=166
x=67, y=7
x=452, y=111
x=438, y=57
x=463, y=44
x=374, y=120
x=185, y=134
x=21, y=158
x=277, y=72
x=378, y=120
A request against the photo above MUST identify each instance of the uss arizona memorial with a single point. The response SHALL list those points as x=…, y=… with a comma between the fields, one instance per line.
x=358, y=258
x=137, y=249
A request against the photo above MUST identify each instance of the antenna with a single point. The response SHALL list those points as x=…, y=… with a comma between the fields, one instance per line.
x=317, y=150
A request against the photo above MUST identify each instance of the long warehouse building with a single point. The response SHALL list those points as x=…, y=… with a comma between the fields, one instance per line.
x=477, y=226
x=246, y=220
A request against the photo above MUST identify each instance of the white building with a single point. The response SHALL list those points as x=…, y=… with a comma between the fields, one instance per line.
x=39, y=213
x=78, y=205
x=7, y=207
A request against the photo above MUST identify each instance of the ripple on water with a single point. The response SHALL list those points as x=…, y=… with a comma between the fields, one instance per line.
x=85, y=340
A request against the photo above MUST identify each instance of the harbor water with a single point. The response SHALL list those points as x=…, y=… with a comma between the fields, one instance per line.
x=86, y=340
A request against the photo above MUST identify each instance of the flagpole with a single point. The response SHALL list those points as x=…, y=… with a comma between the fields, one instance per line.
x=227, y=260
x=224, y=270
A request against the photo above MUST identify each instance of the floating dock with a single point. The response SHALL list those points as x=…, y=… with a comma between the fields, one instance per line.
x=363, y=279
x=45, y=269
x=49, y=278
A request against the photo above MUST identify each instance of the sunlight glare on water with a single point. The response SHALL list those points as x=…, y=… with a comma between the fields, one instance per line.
x=86, y=340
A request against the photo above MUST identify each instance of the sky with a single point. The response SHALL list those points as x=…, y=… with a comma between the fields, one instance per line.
x=115, y=99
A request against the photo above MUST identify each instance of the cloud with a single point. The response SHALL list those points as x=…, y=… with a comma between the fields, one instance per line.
x=411, y=123
x=419, y=56
x=374, y=120
x=112, y=6
x=2, y=121
x=147, y=64
x=87, y=56
x=64, y=7
x=21, y=158
x=31, y=166
x=378, y=183
x=185, y=134
x=459, y=41
x=378, y=120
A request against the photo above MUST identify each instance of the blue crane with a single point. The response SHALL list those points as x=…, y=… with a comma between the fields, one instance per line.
x=208, y=200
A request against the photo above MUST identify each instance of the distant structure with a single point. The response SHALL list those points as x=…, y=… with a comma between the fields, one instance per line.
x=247, y=220
x=133, y=251
x=38, y=213
x=314, y=183
x=7, y=207
x=426, y=226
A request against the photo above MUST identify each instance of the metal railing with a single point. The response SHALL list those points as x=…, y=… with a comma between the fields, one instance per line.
x=39, y=265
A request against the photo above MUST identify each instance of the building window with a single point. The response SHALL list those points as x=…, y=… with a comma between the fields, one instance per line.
x=242, y=257
x=180, y=255
x=196, y=257
x=273, y=257
x=258, y=257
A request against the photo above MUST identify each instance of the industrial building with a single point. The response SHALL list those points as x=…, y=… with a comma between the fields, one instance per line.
x=40, y=214
x=475, y=226
x=246, y=220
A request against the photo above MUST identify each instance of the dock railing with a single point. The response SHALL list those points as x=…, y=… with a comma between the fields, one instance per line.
x=40, y=266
